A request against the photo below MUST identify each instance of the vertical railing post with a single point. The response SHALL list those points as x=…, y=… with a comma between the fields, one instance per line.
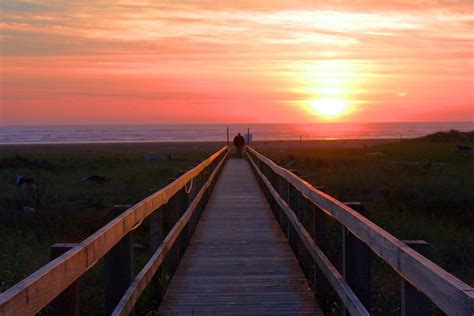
x=201, y=180
x=156, y=238
x=414, y=302
x=156, y=229
x=118, y=272
x=173, y=209
x=293, y=204
x=356, y=261
x=277, y=210
x=66, y=303
x=321, y=284
x=183, y=202
x=302, y=208
x=303, y=255
x=283, y=191
x=192, y=195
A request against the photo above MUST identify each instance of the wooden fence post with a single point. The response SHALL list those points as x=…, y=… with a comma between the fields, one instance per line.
x=183, y=202
x=200, y=182
x=173, y=210
x=192, y=195
x=156, y=230
x=414, y=302
x=274, y=178
x=276, y=210
x=322, y=288
x=304, y=258
x=283, y=192
x=356, y=261
x=118, y=272
x=156, y=238
x=66, y=303
x=293, y=204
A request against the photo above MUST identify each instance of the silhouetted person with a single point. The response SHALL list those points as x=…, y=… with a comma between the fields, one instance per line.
x=239, y=143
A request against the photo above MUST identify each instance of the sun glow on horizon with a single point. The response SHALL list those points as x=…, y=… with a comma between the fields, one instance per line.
x=329, y=108
x=330, y=85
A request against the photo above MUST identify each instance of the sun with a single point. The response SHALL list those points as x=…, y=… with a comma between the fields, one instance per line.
x=329, y=107
x=329, y=86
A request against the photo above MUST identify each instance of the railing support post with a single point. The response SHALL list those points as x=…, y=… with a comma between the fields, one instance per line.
x=322, y=288
x=293, y=204
x=118, y=272
x=66, y=303
x=156, y=230
x=183, y=203
x=356, y=261
x=173, y=209
x=413, y=302
x=304, y=258
x=156, y=238
x=283, y=192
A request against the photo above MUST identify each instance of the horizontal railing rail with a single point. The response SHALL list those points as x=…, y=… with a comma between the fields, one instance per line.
x=450, y=294
x=32, y=294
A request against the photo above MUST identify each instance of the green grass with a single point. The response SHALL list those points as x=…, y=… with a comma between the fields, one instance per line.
x=411, y=201
x=70, y=210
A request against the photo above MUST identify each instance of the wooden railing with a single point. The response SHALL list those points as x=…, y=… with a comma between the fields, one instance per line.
x=300, y=208
x=173, y=213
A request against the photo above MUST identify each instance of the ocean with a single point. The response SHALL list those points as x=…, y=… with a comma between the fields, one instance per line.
x=217, y=132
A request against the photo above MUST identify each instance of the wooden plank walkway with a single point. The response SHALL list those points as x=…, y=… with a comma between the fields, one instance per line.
x=238, y=261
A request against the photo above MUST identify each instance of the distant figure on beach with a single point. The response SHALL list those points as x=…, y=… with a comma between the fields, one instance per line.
x=239, y=143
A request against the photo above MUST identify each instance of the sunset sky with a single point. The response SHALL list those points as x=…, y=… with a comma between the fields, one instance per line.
x=236, y=61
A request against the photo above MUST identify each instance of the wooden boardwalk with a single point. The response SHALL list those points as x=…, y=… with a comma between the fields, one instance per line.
x=238, y=260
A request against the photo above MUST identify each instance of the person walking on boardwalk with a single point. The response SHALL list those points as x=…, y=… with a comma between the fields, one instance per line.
x=239, y=143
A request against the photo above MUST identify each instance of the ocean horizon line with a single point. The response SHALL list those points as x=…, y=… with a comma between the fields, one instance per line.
x=29, y=134
x=230, y=124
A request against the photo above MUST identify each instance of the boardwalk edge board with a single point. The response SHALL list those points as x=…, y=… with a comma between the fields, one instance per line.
x=449, y=293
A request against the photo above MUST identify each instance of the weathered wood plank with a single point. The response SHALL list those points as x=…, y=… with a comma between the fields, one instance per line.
x=34, y=292
x=452, y=295
x=238, y=261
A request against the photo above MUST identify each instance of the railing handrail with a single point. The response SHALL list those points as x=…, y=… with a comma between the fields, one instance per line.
x=37, y=290
x=449, y=293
